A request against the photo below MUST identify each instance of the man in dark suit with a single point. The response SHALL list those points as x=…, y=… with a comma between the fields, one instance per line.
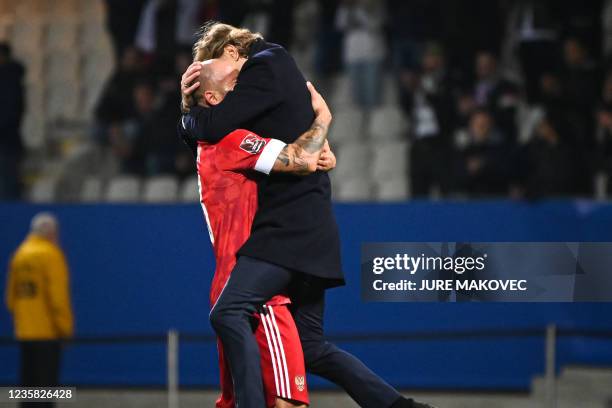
x=294, y=244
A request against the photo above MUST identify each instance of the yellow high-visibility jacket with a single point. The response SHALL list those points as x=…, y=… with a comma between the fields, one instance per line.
x=37, y=291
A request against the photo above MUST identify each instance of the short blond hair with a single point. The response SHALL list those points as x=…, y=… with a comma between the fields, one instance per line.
x=215, y=36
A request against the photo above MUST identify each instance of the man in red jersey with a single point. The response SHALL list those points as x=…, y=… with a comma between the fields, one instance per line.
x=227, y=173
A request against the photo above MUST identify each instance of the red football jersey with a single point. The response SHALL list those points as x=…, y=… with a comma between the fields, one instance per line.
x=227, y=179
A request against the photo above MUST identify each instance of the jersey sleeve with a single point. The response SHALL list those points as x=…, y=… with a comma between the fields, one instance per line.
x=244, y=150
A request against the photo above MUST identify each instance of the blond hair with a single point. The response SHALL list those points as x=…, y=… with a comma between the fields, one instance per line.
x=214, y=37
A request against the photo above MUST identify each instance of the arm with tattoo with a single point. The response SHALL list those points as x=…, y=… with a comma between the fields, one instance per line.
x=301, y=156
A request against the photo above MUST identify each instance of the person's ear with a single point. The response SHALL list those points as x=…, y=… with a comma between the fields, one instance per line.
x=232, y=52
x=211, y=98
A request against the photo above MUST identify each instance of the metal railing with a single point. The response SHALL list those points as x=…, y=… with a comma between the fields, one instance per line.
x=551, y=334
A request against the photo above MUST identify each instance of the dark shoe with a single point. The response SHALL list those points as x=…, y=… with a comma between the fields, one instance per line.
x=409, y=403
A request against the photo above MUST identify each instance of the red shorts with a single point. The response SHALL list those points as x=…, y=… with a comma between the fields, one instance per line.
x=282, y=359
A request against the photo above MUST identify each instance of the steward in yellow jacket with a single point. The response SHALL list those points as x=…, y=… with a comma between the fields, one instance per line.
x=38, y=297
x=37, y=293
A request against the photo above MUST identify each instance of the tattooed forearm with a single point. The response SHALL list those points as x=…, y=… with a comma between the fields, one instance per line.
x=313, y=140
x=283, y=156
x=292, y=160
x=301, y=156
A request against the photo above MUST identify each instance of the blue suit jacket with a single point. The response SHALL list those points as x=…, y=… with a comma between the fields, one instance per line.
x=294, y=226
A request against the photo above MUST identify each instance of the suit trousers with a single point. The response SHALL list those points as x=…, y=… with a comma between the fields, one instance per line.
x=252, y=283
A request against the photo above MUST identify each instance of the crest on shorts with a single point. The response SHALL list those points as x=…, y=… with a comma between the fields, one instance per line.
x=300, y=382
x=252, y=143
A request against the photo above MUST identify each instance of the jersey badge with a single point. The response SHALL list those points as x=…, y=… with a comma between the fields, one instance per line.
x=252, y=144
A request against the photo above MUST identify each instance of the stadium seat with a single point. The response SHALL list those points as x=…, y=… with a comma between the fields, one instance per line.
x=347, y=126
x=62, y=35
x=92, y=11
x=63, y=100
x=90, y=95
x=92, y=37
x=32, y=9
x=62, y=66
x=91, y=190
x=342, y=95
x=353, y=160
x=601, y=186
x=43, y=190
x=7, y=8
x=390, y=90
x=389, y=160
x=190, y=191
x=33, y=130
x=395, y=189
x=27, y=36
x=66, y=8
x=160, y=189
x=388, y=123
x=6, y=27
x=35, y=99
x=123, y=189
x=35, y=68
x=97, y=67
x=353, y=190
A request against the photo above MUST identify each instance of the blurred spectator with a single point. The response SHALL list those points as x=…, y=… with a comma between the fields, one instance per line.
x=327, y=58
x=122, y=22
x=580, y=79
x=38, y=297
x=116, y=103
x=156, y=33
x=123, y=145
x=412, y=24
x=428, y=99
x=280, y=30
x=557, y=44
x=468, y=27
x=162, y=152
x=144, y=143
x=547, y=165
x=606, y=17
x=604, y=129
x=552, y=98
x=583, y=20
x=11, y=113
x=188, y=21
x=482, y=166
x=136, y=116
x=164, y=26
x=534, y=31
x=364, y=48
x=233, y=11
x=498, y=95
x=124, y=137
x=273, y=19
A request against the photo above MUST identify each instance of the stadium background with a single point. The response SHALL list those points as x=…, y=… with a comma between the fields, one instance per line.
x=97, y=146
